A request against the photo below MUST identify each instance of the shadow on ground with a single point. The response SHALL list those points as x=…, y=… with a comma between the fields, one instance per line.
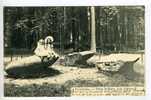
x=33, y=72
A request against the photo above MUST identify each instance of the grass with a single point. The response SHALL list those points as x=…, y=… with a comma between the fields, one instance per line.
x=51, y=90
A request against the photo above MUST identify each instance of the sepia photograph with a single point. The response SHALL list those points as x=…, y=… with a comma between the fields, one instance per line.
x=63, y=51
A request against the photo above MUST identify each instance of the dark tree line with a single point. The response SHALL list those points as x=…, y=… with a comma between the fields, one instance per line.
x=116, y=27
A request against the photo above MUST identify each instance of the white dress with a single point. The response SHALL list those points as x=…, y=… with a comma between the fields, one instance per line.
x=40, y=50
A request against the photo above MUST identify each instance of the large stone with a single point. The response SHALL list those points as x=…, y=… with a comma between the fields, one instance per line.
x=124, y=67
x=79, y=58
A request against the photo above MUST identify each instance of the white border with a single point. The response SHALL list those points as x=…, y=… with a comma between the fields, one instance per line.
x=148, y=47
x=84, y=3
x=1, y=50
x=71, y=2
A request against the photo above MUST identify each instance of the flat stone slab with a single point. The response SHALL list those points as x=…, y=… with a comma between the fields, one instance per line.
x=125, y=57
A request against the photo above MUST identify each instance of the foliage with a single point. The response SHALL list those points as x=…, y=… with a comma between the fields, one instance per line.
x=69, y=26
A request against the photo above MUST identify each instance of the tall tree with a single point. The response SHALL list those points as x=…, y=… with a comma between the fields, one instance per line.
x=93, y=40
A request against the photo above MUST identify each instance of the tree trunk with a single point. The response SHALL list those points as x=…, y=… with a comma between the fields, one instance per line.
x=126, y=30
x=118, y=39
x=93, y=40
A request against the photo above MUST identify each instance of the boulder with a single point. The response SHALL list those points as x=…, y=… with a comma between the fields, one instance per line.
x=78, y=58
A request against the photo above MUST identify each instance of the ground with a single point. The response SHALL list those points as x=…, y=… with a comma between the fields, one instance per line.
x=64, y=77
